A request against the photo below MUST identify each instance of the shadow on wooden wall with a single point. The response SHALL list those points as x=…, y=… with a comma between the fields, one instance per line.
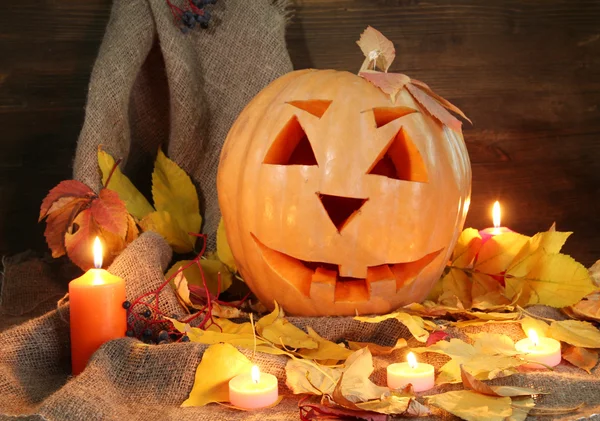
x=526, y=73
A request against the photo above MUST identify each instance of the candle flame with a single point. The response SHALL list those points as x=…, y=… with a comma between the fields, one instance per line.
x=255, y=374
x=97, y=253
x=496, y=214
x=532, y=334
x=412, y=360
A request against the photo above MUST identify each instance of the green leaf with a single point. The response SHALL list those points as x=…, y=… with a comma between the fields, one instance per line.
x=174, y=192
x=136, y=203
x=415, y=324
x=498, y=252
x=220, y=363
x=211, y=269
x=575, y=332
x=555, y=280
x=472, y=406
x=223, y=249
x=309, y=377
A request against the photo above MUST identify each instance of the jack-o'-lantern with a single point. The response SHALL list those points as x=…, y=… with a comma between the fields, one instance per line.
x=336, y=199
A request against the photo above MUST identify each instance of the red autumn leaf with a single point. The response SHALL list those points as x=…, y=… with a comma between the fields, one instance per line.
x=435, y=337
x=434, y=108
x=64, y=189
x=59, y=221
x=110, y=213
x=389, y=83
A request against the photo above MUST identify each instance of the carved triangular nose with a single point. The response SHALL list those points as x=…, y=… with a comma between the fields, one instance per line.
x=341, y=209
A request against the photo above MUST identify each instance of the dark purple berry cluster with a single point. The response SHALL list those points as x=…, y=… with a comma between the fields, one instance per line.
x=192, y=14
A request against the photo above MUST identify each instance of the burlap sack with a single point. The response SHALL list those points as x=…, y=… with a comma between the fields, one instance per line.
x=152, y=85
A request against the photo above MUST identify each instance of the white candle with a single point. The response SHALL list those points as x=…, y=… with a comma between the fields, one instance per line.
x=542, y=350
x=420, y=375
x=253, y=390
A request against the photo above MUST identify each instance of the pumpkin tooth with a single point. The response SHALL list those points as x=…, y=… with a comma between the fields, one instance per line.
x=407, y=272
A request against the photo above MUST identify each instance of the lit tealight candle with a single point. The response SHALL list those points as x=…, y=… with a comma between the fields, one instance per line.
x=253, y=390
x=420, y=375
x=497, y=229
x=542, y=350
x=97, y=313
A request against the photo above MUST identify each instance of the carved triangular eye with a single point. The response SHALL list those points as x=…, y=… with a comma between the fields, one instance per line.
x=340, y=209
x=400, y=160
x=316, y=107
x=385, y=115
x=291, y=146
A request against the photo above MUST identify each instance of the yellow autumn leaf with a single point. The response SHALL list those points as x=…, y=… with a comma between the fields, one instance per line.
x=466, y=248
x=555, y=280
x=163, y=223
x=241, y=339
x=415, y=324
x=283, y=333
x=539, y=326
x=498, y=252
x=269, y=319
x=457, y=283
x=575, y=332
x=493, y=343
x=220, y=363
x=378, y=349
x=174, y=192
x=136, y=203
x=541, y=244
x=472, y=406
x=223, y=249
x=481, y=359
x=308, y=377
x=327, y=352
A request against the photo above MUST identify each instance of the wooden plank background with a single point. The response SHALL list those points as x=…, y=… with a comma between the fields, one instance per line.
x=527, y=73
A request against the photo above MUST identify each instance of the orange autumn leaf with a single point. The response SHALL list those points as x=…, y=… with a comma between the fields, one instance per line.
x=389, y=83
x=434, y=108
x=61, y=195
x=583, y=358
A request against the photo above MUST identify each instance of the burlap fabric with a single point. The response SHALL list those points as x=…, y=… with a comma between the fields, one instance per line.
x=152, y=85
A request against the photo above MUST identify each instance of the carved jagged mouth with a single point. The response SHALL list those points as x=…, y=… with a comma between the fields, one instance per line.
x=319, y=279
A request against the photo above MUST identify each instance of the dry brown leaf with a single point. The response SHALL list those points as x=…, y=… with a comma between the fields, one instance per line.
x=470, y=382
x=585, y=359
x=434, y=108
x=354, y=385
x=378, y=50
x=389, y=83
x=588, y=308
x=443, y=101
x=378, y=349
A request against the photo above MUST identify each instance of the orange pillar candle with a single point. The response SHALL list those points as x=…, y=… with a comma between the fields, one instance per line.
x=97, y=313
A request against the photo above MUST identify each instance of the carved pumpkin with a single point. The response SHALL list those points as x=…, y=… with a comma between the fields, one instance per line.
x=338, y=201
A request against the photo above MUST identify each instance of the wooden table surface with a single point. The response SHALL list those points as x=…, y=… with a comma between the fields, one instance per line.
x=527, y=73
